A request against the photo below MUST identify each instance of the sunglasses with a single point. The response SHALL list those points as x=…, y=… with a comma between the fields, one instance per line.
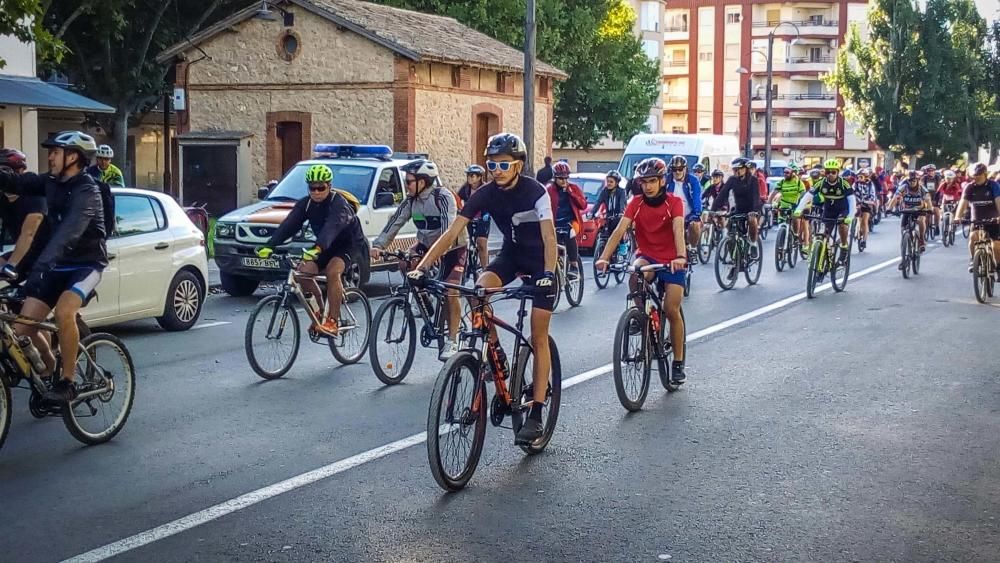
x=317, y=188
x=833, y=171
x=675, y=169
x=504, y=166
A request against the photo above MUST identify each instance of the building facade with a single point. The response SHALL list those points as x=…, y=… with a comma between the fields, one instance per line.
x=715, y=74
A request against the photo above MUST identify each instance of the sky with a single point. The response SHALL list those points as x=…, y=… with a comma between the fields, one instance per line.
x=988, y=9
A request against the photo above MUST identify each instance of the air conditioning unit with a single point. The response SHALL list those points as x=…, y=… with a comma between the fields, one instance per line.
x=833, y=43
x=756, y=117
x=786, y=151
x=760, y=155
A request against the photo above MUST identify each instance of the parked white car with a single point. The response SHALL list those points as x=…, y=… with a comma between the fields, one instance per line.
x=158, y=265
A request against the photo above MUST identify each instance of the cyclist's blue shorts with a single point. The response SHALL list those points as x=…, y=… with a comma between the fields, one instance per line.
x=666, y=276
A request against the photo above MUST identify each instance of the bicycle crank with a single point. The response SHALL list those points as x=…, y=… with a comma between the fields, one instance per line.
x=498, y=411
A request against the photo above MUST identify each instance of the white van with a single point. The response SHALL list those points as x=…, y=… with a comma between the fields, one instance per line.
x=714, y=151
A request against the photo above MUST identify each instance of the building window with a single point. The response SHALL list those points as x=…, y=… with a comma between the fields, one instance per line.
x=288, y=45
x=705, y=17
x=730, y=126
x=677, y=23
x=705, y=88
x=705, y=124
x=773, y=17
x=732, y=51
x=651, y=48
x=705, y=56
x=650, y=16
x=733, y=17
x=677, y=130
x=732, y=88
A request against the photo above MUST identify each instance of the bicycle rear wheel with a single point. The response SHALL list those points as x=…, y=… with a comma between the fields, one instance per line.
x=754, y=266
x=456, y=422
x=780, y=247
x=793, y=248
x=557, y=287
x=600, y=278
x=5, y=409
x=966, y=229
x=351, y=342
x=105, y=378
x=725, y=263
x=394, y=341
x=574, y=284
x=550, y=411
x=272, y=337
x=631, y=360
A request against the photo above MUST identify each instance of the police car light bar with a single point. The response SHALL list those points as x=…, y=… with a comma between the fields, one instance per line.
x=331, y=150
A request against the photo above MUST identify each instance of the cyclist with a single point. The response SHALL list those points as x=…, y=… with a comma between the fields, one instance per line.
x=688, y=188
x=930, y=180
x=815, y=176
x=912, y=196
x=745, y=189
x=866, y=194
x=432, y=208
x=950, y=189
x=70, y=264
x=568, y=205
x=787, y=193
x=837, y=198
x=848, y=176
x=522, y=210
x=479, y=227
x=761, y=180
x=982, y=196
x=333, y=220
x=699, y=172
x=657, y=217
x=711, y=193
x=612, y=199
x=104, y=171
x=23, y=220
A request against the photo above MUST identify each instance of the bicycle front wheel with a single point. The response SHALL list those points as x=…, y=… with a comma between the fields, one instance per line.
x=705, y=243
x=814, y=268
x=5, y=409
x=904, y=253
x=725, y=263
x=780, y=247
x=915, y=256
x=105, y=378
x=574, y=284
x=351, y=342
x=631, y=360
x=840, y=272
x=553, y=396
x=966, y=229
x=272, y=336
x=456, y=422
x=600, y=278
x=394, y=341
x=754, y=265
x=945, y=230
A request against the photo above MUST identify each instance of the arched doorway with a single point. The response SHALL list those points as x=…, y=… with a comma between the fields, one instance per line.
x=487, y=120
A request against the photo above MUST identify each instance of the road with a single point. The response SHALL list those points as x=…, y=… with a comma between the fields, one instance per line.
x=852, y=427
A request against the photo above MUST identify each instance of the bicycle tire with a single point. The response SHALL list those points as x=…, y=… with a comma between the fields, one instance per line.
x=845, y=269
x=752, y=264
x=813, y=269
x=687, y=281
x=780, y=247
x=664, y=359
x=386, y=365
x=472, y=420
x=705, y=243
x=574, y=291
x=551, y=415
x=724, y=257
x=121, y=383
x=352, y=298
x=601, y=279
x=557, y=290
x=966, y=229
x=979, y=276
x=279, y=304
x=5, y=410
x=915, y=256
x=622, y=358
x=945, y=229
x=904, y=253
x=794, y=248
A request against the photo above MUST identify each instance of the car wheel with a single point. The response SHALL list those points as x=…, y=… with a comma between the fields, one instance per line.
x=238, y=286
x=184, y=302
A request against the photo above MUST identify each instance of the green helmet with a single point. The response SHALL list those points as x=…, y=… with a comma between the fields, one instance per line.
x=319, y=173
x=832, y=164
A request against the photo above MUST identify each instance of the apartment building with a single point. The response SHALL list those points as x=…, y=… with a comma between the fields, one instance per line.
x=715, y=75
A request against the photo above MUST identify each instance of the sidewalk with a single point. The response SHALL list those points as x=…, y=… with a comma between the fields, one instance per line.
x=213, y=274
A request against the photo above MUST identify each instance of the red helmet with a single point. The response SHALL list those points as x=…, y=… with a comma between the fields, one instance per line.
x=561, y=170
x=651, y=168
x=13, y=158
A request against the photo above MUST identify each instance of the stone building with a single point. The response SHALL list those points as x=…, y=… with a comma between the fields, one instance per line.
x=257, y=90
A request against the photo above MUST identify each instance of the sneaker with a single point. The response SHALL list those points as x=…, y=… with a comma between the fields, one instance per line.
x=62, y=391
x=862, y=244
x=532, y=428
x=449, y=349
x=692, y=254
x=329, y=327
x=845, y=251
x=677, y=375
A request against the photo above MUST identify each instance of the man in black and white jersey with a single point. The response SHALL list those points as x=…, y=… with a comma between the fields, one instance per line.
x=522, y=210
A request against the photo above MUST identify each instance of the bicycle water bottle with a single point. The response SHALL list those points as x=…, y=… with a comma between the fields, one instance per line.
x=17, y=354
x=31, y=353
x=622, y=248
x=314, y=305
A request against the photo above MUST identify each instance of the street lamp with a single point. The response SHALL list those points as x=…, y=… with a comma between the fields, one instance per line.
x=748, y=150
x=529, y=86
x=767, y=92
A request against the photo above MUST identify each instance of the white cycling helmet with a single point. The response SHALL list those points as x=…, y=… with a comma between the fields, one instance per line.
x=105, y=151
x=949, y=174
x=421, y=168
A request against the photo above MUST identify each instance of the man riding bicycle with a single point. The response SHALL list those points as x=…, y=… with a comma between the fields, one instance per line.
x=433, y=209
x=657, y=218
x=950, y=191
x=982, y=195
x=612, y=199
x=837, y=198
x=699, y=172
x=744, y=187
x=104, y=171
x=333, y=220
x=23, y=219
x=568, y=205
x=522, y=210
x=688, y=188
x=866, y=193
x=479, y=227
x=787, y=194
x=912, y=196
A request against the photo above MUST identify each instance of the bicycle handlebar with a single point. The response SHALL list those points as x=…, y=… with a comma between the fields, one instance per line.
x=524, y=291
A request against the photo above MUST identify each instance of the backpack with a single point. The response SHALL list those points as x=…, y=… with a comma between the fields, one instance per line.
x=108, y=202
x=355, y=203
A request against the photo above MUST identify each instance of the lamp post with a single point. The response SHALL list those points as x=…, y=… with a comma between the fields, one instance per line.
x=767, y=92
x=529, y=85
x=748, y=148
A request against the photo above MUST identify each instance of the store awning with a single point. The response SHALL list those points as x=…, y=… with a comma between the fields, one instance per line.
x=32, y=92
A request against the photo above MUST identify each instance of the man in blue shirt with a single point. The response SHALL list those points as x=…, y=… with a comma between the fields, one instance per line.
x=687, y=187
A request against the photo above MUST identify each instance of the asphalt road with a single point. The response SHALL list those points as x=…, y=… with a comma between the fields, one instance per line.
x=853, y=427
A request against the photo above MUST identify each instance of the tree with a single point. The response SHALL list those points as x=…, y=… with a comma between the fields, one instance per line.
x=991, y=82
x=112, y=45
x=23, y=19
x=612, y=83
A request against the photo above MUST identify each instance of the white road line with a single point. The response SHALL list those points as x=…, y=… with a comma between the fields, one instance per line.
x=260, y=495
x=211, y=324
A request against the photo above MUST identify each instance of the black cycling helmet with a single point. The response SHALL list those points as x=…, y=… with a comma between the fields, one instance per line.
x=614, y=174
x=698, y=167
x=978, y=169
x=739, y=162
x=475, y=169
x=717, y=173
x=507, y=144
x=678, y=162
x=651, y=168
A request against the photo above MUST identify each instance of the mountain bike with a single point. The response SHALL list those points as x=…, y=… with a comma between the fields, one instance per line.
x=456, y=418
x=948, y=223
x=984, y=265
x=734, y=254
x=273, y=334
x=787, y=243
x=909, y=243
x=393, y=340
x=569, y=277
x=472, y=265
x=711, y=235
x=766, y=220
x=105, y=377
x=826, y=257
x=623, y=255
x=641, y=337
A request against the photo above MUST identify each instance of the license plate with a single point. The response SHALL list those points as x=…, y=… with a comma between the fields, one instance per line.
x=262, y=263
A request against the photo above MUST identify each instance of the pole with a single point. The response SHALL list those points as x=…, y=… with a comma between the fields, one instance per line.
x=767, y=93
x=748, y=151
x=167, y=187
x=529, y=86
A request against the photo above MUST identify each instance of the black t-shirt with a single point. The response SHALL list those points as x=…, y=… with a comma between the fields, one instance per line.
x=517, y=212
x=982, y=199
x=13, y=215
x=333, y=222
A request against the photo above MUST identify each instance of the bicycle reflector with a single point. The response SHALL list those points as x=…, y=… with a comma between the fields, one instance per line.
x=331, y=150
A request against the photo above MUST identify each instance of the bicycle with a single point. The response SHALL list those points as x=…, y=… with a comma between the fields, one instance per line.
x=787, y=244
x=104, y=395
x=711, y=235
x=909, y=244
x=567, y=280
x=393, y=340
x=457, y=413
x=948, y=223
x=277, y=316
x=622, y=255
x=766, y=220
x=984, y=265
x=734, y=254
x=640, y=338
x=472, y=265
x=822, y=261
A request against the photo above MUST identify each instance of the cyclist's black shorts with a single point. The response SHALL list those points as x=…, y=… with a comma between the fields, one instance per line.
x=323, y=260
x=479, y=228
x=511, y=262
x=992, y=231
x=452, y=263
x=865, y=207
x=907, y=219
x=49, y=287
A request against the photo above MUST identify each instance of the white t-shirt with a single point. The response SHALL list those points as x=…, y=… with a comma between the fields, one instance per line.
x=678, y=190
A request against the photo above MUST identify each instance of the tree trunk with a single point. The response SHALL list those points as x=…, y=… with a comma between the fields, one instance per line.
x=890, y=161
x=120, y=145
x=994, y=149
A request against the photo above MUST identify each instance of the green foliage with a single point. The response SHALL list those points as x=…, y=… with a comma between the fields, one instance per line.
x=612, y=83
x=23, y=20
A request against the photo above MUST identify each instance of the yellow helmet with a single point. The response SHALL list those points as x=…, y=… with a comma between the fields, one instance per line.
x=832, y=164
x=319, y=173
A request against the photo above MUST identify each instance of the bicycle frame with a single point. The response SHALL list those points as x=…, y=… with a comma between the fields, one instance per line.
x=434, y=318
x=293, y=286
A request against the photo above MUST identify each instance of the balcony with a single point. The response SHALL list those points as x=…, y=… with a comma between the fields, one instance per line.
x=795, y=64
x=826, y=102
x=675, y=68
x=675, y=103
x=807, y=28
x=795, y=138
x=675, y=33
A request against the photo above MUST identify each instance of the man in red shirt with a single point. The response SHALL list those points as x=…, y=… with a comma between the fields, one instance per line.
x=658, y=220
x=761, y=181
